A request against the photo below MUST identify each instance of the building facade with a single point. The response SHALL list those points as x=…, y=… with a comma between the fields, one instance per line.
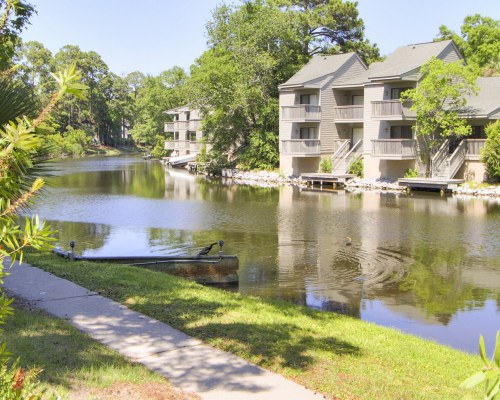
x=337, y=108
x=184, y=134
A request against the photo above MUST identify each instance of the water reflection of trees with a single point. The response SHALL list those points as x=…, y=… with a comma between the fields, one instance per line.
x=142, y=179
x=86, y=235
x=436, y=278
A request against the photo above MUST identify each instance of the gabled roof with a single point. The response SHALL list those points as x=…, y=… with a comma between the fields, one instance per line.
x=487, y=101
x=317, y=68
x=406, y=59
x=178, y=110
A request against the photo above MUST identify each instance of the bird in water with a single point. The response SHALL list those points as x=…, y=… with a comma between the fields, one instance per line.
x=205, y=250
x=348, y=241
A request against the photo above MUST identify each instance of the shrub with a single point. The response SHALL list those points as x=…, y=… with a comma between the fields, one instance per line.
x=356, y=167
x=325, y=165
x=411, y=173
x=490, y=374
x=490, y=154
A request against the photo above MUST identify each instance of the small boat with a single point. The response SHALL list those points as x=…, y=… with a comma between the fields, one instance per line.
x=217, y=269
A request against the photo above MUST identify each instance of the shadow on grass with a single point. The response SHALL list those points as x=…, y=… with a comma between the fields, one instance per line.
x=286, y=344
x=66, y=356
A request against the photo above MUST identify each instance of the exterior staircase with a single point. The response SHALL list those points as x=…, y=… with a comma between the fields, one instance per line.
x=345, y=156
x=445, y=165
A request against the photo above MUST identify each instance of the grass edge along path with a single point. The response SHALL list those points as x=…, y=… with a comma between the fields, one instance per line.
x=77, y=366
x=336, y=355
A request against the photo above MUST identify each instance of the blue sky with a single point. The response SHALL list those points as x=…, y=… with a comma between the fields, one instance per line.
x=154, y=35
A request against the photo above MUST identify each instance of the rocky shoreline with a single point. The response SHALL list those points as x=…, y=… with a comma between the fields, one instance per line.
x=274, y=179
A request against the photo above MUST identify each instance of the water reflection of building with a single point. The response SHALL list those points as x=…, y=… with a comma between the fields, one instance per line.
x=416, y=254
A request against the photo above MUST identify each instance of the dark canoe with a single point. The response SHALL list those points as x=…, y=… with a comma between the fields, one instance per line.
x=202, y=269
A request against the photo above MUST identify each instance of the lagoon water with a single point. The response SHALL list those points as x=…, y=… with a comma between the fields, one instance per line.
x=421, y=263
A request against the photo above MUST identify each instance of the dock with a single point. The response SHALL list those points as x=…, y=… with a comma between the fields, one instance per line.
x=443, y=185
x=327, y=179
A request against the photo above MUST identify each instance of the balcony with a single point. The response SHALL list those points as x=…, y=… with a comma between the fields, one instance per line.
x=194, y=125
x=348, y=113
x=302, y=113
x=474, y=147
x=169, y=127
x=392, y=110
x=394, y=149
x=197, y=146
x=180, y=125
x=177, y=145
x=301, y=147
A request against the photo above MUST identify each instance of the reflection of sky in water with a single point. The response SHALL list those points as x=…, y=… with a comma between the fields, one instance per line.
x=468, y=324
x=291, y=242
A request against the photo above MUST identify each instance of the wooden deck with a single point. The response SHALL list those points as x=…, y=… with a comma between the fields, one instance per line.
x=329, y=179
x=442, y=185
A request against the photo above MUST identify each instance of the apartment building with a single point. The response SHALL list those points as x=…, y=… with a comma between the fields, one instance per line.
x=184, y=134
x=353, y=111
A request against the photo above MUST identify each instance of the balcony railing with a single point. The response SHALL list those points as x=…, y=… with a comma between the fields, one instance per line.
x=348, y=113
x=301, y=147
x=474, y=147
x=194, y=125
x=169, y=127
x=392, y=108
x=394, y=149
x=181, y=125
x=170, y=144
x=302, y=112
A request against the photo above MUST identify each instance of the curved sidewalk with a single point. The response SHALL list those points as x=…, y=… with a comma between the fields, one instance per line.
x=186, y=362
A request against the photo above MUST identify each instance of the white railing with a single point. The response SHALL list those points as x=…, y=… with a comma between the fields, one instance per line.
x=194, y=125
x=348, y=113
x=474, y=147
x=338, y=157
x=302, y=112
x=394, y=148
x=457, y=159
x=355, y=153
x=388, y=108
x=300, y=147
x=170, y=144
x=169, y=127
x=195, y=146
x=178, y=125
x=439, y=157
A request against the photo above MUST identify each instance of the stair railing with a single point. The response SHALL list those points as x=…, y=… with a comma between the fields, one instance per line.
x=457, y=159
x=439, y=157
x=339, y=155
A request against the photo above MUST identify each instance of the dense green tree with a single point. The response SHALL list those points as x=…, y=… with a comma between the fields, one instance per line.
x=438, y=100
x=328, y=27
x=15, y=16
x=490, y=154
x=234, y=83
x=35, y=66
x=479, y=42
x=155, y=95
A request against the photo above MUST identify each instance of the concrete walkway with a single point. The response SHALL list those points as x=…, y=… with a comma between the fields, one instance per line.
x=186, y=362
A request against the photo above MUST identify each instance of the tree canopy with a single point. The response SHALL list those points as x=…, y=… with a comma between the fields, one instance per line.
x=438, y=100
x=479, y=42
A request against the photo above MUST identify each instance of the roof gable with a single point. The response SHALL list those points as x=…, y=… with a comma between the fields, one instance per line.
x=407, y=59
x=318, y=67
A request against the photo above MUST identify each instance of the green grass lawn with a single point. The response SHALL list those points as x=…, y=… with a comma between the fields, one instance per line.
x=339, y=356
x=76, y=366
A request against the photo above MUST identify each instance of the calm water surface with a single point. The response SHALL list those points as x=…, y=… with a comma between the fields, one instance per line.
x=425, y=264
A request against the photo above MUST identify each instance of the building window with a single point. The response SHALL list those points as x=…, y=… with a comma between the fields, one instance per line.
x=396, y=92
x=188, y=115
x=477, y=133
x=176, y=135
x=305, y=99
x=308, y=133
x=192, y=136
x=401, y=132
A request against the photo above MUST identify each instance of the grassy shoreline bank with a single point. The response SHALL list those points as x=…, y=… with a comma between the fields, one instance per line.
x=74, y=366
x=336, y=355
